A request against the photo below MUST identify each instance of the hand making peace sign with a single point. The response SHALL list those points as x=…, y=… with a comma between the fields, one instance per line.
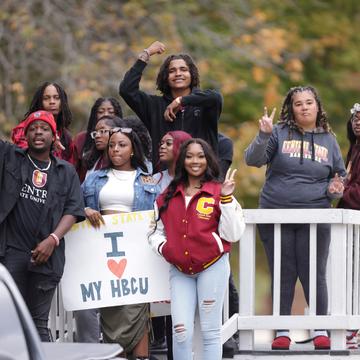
x=228, y=186
x=266, y=122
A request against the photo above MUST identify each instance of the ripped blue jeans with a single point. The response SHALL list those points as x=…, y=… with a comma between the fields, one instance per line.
x=206, y=291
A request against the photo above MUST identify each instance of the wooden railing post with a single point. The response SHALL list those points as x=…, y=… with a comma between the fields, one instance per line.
x=338, y=281
x=247, y=283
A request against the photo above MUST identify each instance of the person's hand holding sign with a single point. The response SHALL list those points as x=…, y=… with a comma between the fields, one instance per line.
x=94, y=217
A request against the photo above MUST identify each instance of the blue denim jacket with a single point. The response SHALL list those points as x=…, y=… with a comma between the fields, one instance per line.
x=145, y=190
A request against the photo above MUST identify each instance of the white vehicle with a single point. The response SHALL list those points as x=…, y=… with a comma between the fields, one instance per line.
x=19, y=339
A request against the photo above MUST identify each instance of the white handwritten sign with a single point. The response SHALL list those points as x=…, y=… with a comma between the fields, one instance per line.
x=113, y=265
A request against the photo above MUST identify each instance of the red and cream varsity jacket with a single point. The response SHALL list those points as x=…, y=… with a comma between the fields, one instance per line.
x=195, y=236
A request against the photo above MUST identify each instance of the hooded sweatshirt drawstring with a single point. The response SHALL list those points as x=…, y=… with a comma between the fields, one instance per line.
x=312, y=147
x=302, y=148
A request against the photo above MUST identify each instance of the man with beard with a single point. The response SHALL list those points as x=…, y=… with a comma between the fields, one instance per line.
x=40, y=200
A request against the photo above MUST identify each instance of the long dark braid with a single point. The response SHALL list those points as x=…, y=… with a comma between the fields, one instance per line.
x=287, y=115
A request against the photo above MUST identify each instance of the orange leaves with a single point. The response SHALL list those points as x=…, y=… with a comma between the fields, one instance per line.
x=272, y=95
x=258, y=74
x=229, y=86
x=203, y=66
x=294, y=67
x=17, y=87
x=134, y=10
x=258, y=17
x=270, y=43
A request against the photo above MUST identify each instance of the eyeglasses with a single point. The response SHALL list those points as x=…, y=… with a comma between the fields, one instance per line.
x=100, y=132
x=120, y=129
x=167, y=143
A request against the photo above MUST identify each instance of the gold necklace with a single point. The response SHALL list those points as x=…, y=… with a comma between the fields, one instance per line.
x=192, y=190
x=37, y=167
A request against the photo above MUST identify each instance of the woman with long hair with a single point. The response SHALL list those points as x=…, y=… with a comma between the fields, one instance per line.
x=50, y=96
x=198, y=217
x=123, y=186
x=84, y=141
x=87, y=322
x=169, y=150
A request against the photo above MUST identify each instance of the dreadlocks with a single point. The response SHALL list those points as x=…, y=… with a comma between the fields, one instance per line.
x=287, y=115
x=63, y=120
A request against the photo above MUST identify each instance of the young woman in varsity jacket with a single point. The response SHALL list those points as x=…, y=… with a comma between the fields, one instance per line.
x=197, y=218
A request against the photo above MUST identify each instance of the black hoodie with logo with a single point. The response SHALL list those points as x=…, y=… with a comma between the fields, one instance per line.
x=199, y=116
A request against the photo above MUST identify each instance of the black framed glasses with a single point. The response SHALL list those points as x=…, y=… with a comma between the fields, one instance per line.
x=120, y=129
x=100, y=132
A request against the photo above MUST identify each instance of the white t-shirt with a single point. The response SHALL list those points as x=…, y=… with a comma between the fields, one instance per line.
x=118, y=193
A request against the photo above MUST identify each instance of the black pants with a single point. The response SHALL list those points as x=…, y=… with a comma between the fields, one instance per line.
x=233, y=297
x=37, y=289
x=295, y=262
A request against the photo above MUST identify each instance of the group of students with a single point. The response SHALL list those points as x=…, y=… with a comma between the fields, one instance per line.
x=175, y=137
x=114, y=161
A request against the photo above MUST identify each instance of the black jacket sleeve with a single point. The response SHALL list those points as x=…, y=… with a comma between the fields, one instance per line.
x=138, y=101
x=205, y=98
x=210, y=100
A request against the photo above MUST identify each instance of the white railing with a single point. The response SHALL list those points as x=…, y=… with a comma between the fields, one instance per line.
x=343, y=279
x=343, y=275
x=61, y=322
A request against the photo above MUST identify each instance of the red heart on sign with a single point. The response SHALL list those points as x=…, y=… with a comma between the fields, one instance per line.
x=117, y=268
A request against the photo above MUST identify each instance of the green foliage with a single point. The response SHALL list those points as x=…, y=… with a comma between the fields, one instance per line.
x=253, y=51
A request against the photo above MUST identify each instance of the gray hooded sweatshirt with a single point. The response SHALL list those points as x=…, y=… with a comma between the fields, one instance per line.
x=299, y=167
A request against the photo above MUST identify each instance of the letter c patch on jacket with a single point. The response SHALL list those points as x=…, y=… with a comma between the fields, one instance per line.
x=204, y=207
